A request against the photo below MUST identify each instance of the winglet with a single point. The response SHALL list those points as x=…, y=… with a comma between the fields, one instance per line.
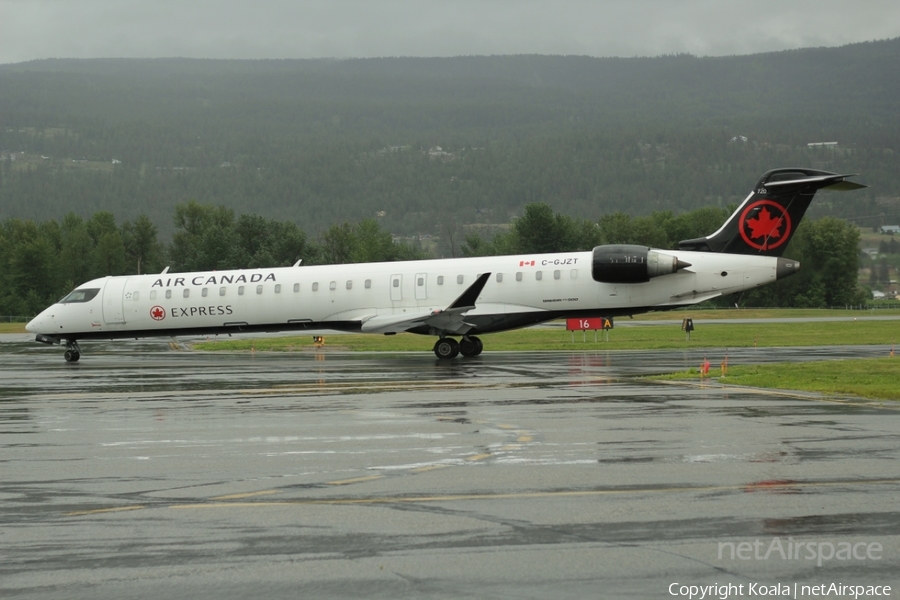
x=467, y=298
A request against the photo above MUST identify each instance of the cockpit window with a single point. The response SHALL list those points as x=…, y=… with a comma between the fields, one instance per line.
x=83, y=295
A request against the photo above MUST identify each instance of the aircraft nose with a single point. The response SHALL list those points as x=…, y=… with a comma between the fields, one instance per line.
x=40, y=323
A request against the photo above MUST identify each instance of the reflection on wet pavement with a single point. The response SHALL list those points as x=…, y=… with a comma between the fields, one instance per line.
x=140, y=471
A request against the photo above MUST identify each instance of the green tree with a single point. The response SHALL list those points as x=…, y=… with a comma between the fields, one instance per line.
x=142, y=248
x=108, y=254
x=831, y=256
x=30, y=267
x=204, y=238
x=76, y=253
x=372, y=243
x=337, y=244
x=365, y=241
x=616, y=228
x=827, y=250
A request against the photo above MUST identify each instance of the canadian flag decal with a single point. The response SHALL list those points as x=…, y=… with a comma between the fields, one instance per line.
x=526, y=263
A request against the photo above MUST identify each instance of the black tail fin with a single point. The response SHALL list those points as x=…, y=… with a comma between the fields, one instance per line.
x=767, y=219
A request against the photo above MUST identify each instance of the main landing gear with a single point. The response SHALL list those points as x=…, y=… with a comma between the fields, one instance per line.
x=73, y=352
x=450, y=348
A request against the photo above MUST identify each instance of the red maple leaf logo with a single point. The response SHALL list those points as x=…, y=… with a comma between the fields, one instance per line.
x=764, y=225
x=157, y=313
x=765, y=220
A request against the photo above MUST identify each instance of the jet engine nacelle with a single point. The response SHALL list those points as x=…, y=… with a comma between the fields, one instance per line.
x=621, y=263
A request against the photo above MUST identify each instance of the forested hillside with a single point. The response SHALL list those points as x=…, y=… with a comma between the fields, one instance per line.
x=431, y=145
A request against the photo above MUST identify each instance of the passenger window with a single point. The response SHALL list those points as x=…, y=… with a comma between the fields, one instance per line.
x=277, y=288
x=316, y=286
x=332, y=286
x=459, y=279
x=240, y=290
x=168, y=294
x=499, y=277
x=136, y=296
x=556, y=274
x=204, y=292
x=538, y=275
x=153, y=294
x=222, y=291
x=296, y=287
x=349, y=284
x=519, y=276
x=396, y=282
x=574, y=273
x=368, y=283
x=259, y=289
x=420, y=281
x=440, y=280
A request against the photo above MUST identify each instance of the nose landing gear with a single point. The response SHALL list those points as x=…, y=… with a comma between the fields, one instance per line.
x=73, y=352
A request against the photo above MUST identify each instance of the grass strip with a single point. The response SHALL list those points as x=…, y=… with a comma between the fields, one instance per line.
x=877, y=378
x=707, y=335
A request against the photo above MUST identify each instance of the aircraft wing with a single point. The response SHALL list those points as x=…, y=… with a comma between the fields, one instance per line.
x=449, y=320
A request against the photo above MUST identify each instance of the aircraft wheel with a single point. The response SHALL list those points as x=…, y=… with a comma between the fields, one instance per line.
x=446, y=348
x=470, y=346
x=72, y=355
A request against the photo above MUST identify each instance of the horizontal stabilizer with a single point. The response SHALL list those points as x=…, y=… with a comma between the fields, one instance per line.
x=845, y=186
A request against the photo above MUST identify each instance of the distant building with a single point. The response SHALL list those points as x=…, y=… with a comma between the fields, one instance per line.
x=890, y=229
x=818, y=144
x=438, y=152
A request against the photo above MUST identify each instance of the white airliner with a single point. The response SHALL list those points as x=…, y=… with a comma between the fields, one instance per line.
x=462, y=297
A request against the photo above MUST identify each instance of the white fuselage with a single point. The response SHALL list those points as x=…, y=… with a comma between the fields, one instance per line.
x=521, y=290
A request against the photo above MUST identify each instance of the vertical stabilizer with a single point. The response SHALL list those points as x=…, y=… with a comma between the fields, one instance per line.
x=765, y=222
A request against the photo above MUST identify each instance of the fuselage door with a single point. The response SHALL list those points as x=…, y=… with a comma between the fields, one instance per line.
x=113, y=300
x=421, y=290
x=396, y=288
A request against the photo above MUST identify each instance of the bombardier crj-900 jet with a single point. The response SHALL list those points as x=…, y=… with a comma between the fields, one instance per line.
x=454, y=299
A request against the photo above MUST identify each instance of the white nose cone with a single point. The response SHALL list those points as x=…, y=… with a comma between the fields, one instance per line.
x=33, y=325
x=40, y=323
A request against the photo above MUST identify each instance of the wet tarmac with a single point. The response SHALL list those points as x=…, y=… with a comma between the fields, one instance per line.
x=143, y=472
